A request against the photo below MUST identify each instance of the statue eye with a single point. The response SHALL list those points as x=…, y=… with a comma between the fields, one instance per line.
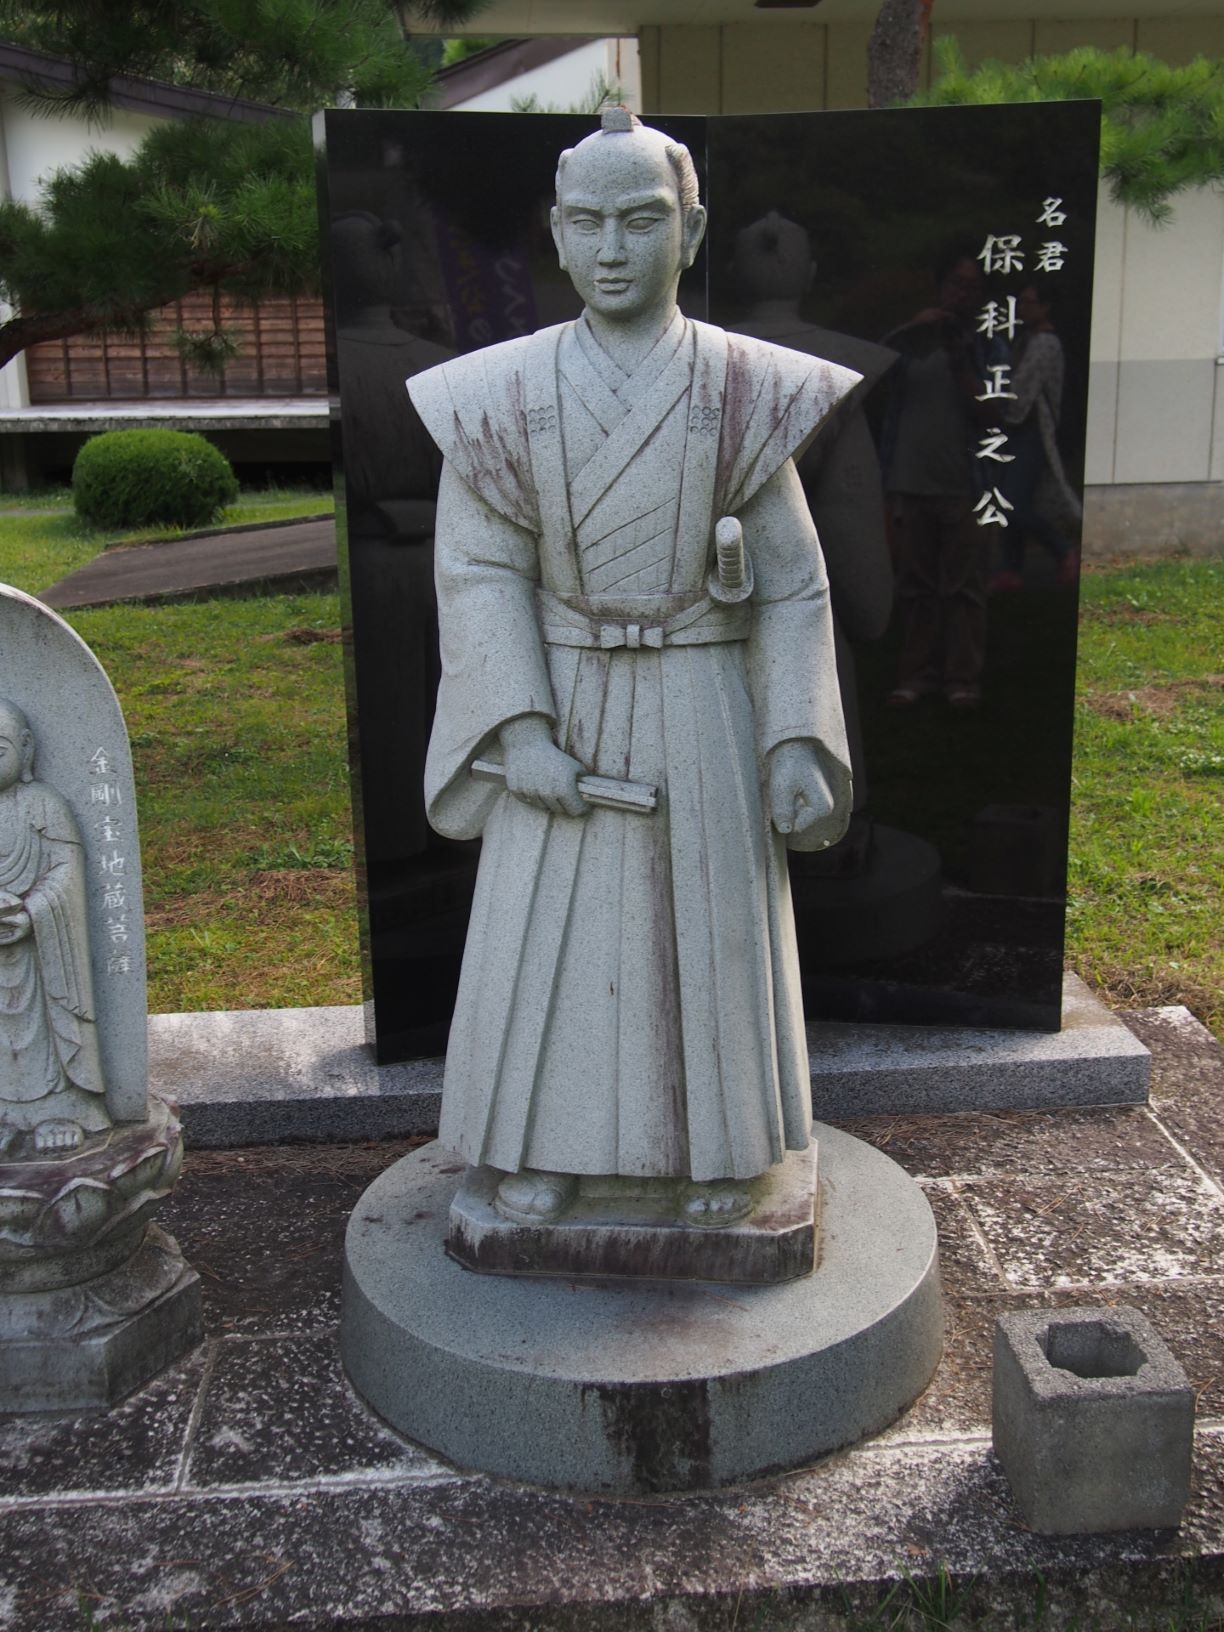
x=642, y=223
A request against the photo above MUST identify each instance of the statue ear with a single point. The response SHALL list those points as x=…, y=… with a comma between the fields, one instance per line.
x=554, y=221
x=694, y=232
x=27, y=756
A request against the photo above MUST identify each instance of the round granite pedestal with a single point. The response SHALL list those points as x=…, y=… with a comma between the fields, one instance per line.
x=630, y=1387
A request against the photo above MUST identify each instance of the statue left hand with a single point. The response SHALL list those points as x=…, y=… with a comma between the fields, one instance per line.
x=799, y=791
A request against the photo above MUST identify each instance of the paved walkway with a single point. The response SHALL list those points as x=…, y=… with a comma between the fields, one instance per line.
x=281, y=554
x=250, y=1487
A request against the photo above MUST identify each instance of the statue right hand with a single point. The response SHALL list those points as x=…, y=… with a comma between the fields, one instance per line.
x=14, y=926
x=537, y=771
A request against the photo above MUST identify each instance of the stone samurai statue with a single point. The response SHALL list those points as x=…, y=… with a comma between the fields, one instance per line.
x=51, y=1089
x=638, y=712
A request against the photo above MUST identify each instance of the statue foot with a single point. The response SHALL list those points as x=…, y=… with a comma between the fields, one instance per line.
x=9, y=1136
x=532, y=1197
x=58, y=1133
x=714, y=1203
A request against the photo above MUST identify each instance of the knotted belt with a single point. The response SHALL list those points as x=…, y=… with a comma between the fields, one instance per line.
x=612, y=622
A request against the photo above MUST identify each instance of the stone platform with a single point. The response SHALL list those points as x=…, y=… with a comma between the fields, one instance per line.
x=94, y=1298
x=261, y=1076
x=635, y=1387
x=617, y=1227
x=249, y=1487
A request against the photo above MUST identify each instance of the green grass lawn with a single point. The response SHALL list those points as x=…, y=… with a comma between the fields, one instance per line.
x=1147, y=828
x=236, y=715
x=236, y=712
x=42, y=539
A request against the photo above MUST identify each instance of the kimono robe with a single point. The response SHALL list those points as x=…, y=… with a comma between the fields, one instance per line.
x=629, y=1001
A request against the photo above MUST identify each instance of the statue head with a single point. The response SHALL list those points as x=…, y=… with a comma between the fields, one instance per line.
x=366, y=263
x=16, y=746
x=627, y=220
x=773, y=259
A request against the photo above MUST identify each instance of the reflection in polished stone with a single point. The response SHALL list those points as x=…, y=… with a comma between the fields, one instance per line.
x=422, y=248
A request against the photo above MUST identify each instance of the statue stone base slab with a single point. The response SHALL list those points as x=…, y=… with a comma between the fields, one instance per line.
x=630, y=1387
x=631, y=1227
x=69, y=1348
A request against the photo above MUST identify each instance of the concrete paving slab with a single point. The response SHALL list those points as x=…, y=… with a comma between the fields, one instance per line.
x=266, y=1232
x=988, y=1144
x=136, y=1446
x=282, y=555
x=1059, y=1231
x=281, y=1410
x=264, y=1075
x=251, y=1488
x=1189, y=1084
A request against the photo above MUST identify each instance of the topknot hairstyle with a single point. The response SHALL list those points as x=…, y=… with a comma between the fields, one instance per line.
x=619, y=121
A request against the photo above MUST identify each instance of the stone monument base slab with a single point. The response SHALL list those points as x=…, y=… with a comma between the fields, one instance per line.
x=631, y=1387
x=69, y=1348
x=631, y=1227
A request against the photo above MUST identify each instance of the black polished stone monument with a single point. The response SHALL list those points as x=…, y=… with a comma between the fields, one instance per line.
x=918, y=246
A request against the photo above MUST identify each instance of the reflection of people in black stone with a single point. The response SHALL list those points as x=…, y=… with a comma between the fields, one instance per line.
x=376, y=356
x=1034, y=482
x=840, y=472
x=391, y=471
x=930, y=483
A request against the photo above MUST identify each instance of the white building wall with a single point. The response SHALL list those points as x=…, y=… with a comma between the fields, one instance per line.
x=1170, y=332
x=568, y=81
x=31, y=150
x=37, y=146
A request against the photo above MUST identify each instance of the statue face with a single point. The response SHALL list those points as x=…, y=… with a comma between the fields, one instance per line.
x=10, y=762
x=619, y=228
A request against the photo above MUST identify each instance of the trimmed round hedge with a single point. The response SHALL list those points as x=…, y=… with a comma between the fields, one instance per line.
x=133, y=478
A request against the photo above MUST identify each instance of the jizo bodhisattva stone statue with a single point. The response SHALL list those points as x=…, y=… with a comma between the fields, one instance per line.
x=94, y=1298
x=52, y=1096
x=638, y=712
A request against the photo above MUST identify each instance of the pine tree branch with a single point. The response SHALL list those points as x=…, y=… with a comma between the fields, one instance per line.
x=1162, y=127
x=21, y=331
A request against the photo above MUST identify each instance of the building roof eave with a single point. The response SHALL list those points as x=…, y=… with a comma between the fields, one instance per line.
x=497, y=64
x=21, y=65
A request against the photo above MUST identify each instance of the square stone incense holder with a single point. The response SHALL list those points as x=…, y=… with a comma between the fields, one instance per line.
x=1093, y=1421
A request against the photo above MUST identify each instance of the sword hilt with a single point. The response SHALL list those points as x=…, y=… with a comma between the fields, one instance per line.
x=732, y=579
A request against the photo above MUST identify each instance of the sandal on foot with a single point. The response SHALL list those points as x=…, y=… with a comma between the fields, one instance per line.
x=532, y=1197
x=714, y=1204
